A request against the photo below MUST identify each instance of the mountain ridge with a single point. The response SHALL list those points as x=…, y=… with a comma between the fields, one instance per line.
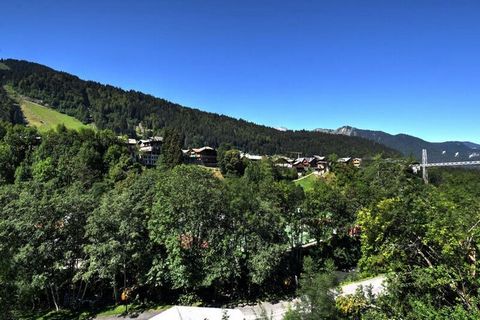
x=410, y=145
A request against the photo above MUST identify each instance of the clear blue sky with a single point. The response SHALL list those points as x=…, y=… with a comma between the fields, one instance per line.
x=409, y=66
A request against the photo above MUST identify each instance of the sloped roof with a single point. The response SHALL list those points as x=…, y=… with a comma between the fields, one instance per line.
x=157, y=138
x=282, y=158
x=197, y=150
x=320, y=158
x=146, y=149
x=298, y=161
x=250, y=156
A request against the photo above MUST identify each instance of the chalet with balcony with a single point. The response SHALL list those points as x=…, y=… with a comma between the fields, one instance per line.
x=205, y=156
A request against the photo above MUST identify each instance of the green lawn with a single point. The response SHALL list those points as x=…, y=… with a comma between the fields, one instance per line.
x=113, y=311
x=4, y=66
x=45, y=118
x=107, y=312
x=42, y=117
x=120, y=309
x=307, y=182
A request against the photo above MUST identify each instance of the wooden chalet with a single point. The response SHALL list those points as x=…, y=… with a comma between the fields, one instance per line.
x=316, y=163
x=303, y=164
x=322, y=164
x=205, y=156
x=148, y=149
x=356, y=162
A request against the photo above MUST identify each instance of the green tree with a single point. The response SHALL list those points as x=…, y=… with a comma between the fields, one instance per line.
x=316, y=293
x=43, y=170
x=190, y=224
x=42, y=232
x=429, y=244
x=171, y=149
x=7, y=168
x=118, y=249
x=231, y=163
x=329, y=220
x=259, y=230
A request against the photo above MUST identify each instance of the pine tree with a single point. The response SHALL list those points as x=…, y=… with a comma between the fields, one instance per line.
x=171, y=149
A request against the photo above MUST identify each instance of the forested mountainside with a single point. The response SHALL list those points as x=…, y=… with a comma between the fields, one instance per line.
x=412, y=146
x=122, y=111
x=9, y=110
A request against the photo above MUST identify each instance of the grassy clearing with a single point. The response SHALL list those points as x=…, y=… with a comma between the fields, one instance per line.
x=113, y=311
x=120, y=309
x=53, y=315
x=45, y=118
x=307, y=182
x=4, y=66
x=42, y=117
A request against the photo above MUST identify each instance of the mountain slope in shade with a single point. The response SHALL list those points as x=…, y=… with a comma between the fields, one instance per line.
x=472, y=145
x=412, y=146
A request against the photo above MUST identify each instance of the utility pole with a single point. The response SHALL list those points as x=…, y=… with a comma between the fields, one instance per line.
x=424, y=166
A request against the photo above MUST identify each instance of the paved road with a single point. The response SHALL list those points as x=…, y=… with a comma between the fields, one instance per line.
x=376, y=283
x=276, y=310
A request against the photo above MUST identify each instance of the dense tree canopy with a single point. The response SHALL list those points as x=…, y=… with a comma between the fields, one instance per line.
x=9, y=110
x=82, y=221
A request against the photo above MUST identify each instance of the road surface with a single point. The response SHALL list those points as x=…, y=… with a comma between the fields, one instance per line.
x=376, y=284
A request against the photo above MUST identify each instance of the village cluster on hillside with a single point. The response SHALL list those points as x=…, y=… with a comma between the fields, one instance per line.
x=148, y=151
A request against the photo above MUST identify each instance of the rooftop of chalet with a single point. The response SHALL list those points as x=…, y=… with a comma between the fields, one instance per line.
x=251, y=156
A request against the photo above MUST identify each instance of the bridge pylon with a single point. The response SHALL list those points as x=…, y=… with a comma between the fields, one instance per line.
x=424, y=165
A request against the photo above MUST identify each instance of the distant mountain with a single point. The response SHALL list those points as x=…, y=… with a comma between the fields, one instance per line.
x=412, y=146
x=472, y=145
x=123, y=112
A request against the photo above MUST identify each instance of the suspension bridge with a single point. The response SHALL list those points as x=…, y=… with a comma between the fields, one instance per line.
x=425, y=164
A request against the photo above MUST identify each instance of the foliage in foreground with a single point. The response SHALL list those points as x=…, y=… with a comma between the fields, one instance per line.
x=81, y=221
